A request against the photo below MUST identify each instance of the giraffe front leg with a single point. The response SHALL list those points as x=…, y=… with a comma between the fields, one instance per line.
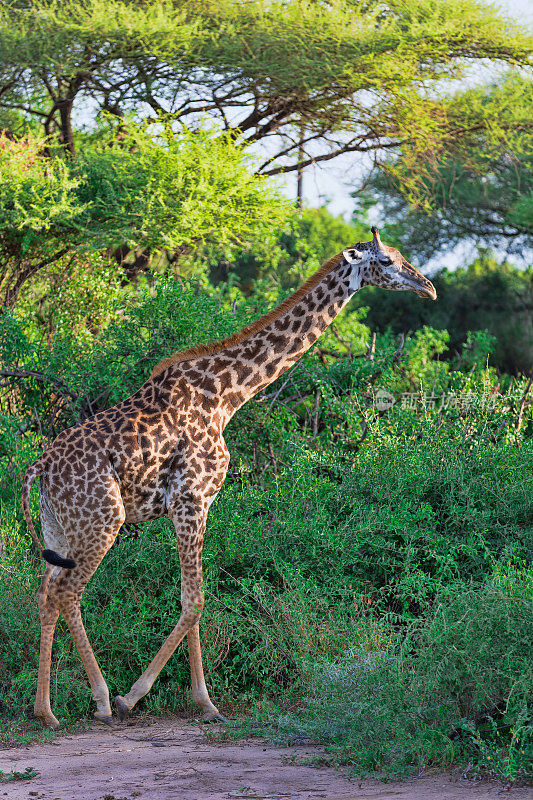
x=189, y=521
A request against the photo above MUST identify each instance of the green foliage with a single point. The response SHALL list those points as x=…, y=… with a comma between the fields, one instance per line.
x=15, y=775
x=167, y=191
x=474, y=654
x=80, y=294
x=479, y=194
x=37, y=206
x=486, y=209
x=285, y=256
x=495, y=138
x=37, y=196
x=74, y=375
x=155, y=191
x=304, y=64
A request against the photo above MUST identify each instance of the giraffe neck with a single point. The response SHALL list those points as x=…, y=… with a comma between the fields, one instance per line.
x=231, y=376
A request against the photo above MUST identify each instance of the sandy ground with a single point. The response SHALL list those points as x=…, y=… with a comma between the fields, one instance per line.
x=167, y=759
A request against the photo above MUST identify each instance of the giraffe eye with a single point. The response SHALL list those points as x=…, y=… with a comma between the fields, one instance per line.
x=385, y=261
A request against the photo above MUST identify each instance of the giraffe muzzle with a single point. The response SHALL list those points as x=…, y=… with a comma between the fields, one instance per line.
x=427, y=292
x=418, y=282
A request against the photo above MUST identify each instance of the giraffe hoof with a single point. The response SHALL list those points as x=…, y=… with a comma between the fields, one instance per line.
x=122, y=708
x=105, y=720
x=218, y=717
x=49, y=721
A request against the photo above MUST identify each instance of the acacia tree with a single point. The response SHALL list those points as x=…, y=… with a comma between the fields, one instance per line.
x=130, y=189
x=480, y=191
x=356, y=77
x=489, y=210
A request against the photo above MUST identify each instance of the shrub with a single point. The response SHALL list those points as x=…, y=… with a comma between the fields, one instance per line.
x=455, y=691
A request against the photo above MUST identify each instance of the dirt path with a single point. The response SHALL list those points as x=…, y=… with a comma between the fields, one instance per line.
x=172, y=759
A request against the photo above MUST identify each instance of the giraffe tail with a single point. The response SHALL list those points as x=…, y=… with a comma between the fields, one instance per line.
x=33, y=471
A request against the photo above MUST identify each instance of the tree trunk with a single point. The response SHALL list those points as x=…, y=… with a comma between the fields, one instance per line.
x=66, y=135
x=300, y=175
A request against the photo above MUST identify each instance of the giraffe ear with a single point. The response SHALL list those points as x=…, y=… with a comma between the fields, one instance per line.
x=352, y=255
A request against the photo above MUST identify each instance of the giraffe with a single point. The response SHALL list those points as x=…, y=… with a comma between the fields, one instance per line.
x=161, y=452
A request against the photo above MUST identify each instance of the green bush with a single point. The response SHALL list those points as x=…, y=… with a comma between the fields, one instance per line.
x=455, y=691
x=288, y=568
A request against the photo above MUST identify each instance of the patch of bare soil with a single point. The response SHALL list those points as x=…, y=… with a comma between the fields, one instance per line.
x=167, y=759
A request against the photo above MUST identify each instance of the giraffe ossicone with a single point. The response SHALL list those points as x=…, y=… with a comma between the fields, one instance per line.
x=161, y=452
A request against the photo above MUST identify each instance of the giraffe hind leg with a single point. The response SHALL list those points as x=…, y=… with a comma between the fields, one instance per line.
x=48, y=610
x=49, y=613
x=72, y=614
x=88, y=541
x=69, y=592
x=55, y=597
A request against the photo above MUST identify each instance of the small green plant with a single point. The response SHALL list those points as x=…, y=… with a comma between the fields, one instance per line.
x=13, y=775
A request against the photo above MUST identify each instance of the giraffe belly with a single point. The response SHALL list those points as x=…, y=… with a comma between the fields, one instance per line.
x=143, y=502
x=143, y=479
x=152, y=482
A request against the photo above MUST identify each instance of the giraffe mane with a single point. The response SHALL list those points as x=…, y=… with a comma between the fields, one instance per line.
x=254, y=327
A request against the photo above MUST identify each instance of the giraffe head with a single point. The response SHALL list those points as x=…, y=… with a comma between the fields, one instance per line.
x=375, y=264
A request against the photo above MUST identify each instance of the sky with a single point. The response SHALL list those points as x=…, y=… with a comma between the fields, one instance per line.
x=332, y=183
